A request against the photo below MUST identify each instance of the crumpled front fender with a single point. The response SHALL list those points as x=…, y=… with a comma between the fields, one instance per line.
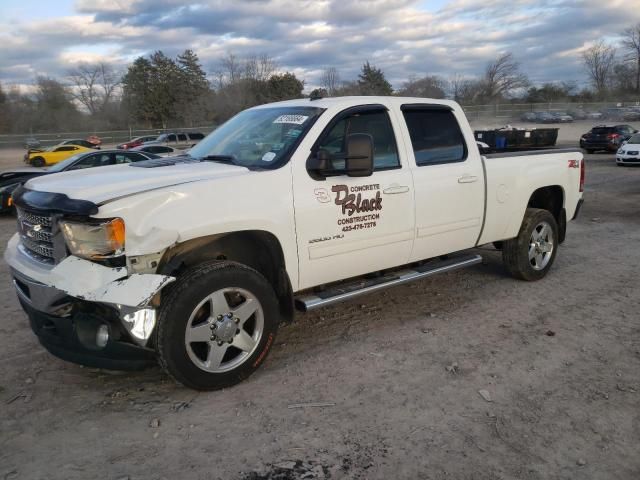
x=87, y=280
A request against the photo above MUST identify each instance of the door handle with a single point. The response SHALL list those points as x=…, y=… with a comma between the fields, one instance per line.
x=467, y=179
x=393, y=189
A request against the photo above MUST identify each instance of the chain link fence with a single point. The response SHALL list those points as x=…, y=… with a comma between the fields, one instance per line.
x=494, y=113
x=108, y=137
x=514, y=111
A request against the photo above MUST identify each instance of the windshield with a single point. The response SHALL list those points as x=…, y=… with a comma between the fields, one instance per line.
x=259, y=138
x=634, y=139
x=60, y=166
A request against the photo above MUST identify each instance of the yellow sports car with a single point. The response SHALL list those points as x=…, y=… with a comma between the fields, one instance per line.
x=55, y=154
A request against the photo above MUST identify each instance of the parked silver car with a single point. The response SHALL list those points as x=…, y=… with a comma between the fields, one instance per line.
x=177, y=140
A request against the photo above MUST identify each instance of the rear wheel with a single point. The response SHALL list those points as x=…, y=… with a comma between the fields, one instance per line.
x=530, y=255
x=216, y=325
x=38, y=162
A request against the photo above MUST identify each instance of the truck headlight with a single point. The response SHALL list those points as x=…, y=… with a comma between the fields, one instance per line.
x=95, y=240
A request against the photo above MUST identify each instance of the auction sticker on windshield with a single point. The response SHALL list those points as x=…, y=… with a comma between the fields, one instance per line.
x=293, y=119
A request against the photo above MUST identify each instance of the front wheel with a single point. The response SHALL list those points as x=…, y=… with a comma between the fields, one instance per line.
x=38, y=162
x=530, y=255
x=216, y=325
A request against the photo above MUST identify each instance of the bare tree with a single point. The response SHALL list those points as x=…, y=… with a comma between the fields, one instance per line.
x=463, y=89
x=330, y=80
x=94, y=85
x=598, y=62
x=430, y=86
x=230, y=70
x=631, y=44
x=260, y=68
x=503, y=76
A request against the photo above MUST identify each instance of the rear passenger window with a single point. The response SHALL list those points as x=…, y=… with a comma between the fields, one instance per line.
x=376, y=124
x=182, y=137
x=435, y=136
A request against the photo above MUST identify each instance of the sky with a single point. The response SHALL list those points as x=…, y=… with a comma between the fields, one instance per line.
x=402, y=37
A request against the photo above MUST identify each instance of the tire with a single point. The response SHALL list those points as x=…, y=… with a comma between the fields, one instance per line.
x=38, y=162
x=213, y=358
x=527, y=257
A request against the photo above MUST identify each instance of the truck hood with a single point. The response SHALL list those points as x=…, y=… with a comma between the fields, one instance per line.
x=102, y=184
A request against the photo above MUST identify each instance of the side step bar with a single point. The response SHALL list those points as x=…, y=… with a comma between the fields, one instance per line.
x=349, y=290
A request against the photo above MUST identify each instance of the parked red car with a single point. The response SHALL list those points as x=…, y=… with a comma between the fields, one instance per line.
x=136, y=142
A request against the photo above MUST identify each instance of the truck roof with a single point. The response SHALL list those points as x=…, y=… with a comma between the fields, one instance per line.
x=346, y=102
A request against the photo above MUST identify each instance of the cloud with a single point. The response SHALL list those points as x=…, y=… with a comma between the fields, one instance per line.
x=400, y=36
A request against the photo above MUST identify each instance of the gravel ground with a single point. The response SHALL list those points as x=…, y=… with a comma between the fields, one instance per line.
x=398, y=374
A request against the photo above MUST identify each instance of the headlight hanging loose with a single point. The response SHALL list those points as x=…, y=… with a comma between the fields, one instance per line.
x=95, y=240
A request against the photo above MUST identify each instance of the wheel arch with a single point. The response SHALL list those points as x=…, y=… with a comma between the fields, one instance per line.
x=258, y=249
x=551, y=198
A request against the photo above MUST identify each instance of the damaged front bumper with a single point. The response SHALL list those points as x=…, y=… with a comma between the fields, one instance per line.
x=85, y=312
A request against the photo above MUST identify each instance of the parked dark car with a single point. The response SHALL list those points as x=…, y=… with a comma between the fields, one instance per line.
x=561, y=117
x=31, y=142
x=606, y=137
x=631, y=114
x=11, y=179
x=529, y=117
x=577, y=113
x=136, y=142
x=613, y=113
x=159, y=150
x=545, y=117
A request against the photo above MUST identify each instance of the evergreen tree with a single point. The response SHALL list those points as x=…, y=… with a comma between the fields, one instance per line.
x=192, y=90
x=371, y=81
x=283, y=87
x=136, y=88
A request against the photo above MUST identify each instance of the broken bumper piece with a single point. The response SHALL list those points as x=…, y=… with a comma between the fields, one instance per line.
x=87, y=280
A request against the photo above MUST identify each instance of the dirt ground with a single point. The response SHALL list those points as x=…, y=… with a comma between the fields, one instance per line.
x=398, y=374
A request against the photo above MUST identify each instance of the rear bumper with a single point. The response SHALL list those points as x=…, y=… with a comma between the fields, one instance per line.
x=612, y=147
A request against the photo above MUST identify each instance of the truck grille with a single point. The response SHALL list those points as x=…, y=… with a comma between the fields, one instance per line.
x=36, y=235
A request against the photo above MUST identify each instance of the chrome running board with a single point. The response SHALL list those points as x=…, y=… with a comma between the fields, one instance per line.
x=355, y=288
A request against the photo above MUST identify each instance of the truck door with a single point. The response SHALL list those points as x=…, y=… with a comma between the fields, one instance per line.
x=448, y=179
x=348, y=226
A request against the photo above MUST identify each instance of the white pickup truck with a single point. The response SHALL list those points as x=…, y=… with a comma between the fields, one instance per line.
x=195, y=260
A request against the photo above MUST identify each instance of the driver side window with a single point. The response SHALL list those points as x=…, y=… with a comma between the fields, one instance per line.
x=374, y=123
